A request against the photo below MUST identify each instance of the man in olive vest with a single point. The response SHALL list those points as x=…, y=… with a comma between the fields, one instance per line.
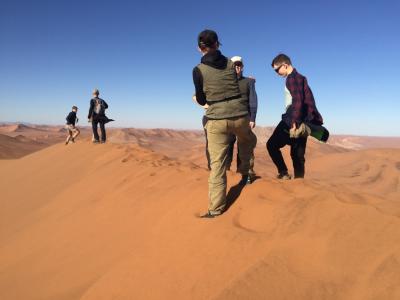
x=248, y=90
x=216, y=84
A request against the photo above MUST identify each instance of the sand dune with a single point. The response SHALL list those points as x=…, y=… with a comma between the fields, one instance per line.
x=364, y=142
x=22, y=128
x=118, y=221
x=16, y=147
x=166, y=140
x=18, y=140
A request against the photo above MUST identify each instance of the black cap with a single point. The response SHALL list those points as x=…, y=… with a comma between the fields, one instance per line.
x=207, y=38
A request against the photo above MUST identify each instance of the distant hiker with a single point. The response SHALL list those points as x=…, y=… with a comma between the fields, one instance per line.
x=216, y=84
x=97, y=116
x=72, y=119
x=300, y=110
x=248, y=91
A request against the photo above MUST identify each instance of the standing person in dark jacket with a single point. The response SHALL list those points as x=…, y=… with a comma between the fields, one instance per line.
x=248, y=90
x=300, y=107
x=227, y=114
x=72, y=119
x=97, y=116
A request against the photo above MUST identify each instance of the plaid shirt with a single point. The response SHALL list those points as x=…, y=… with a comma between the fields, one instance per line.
x=303, y=108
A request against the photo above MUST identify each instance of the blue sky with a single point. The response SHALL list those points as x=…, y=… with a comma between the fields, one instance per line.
x=141, y=55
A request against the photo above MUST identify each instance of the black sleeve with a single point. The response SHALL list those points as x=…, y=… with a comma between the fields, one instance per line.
x=105, y=104
x=91, y=109
x=198, y=85
x=68, y=118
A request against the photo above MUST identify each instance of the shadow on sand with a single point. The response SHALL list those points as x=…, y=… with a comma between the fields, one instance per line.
x=235, y=191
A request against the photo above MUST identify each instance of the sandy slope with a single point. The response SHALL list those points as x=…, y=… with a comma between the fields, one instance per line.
x=18, y=140
x=118, y=221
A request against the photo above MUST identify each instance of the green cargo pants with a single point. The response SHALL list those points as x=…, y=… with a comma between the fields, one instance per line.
x=219, y=136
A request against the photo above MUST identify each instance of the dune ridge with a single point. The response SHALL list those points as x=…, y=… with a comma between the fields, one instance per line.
x=119, y=221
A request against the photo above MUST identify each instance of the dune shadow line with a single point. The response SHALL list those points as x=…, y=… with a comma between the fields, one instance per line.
x=234, y=193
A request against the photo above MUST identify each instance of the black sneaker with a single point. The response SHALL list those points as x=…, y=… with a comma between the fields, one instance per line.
x=284, y=176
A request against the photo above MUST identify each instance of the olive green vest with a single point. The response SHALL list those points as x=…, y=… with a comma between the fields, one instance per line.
x=222, y=92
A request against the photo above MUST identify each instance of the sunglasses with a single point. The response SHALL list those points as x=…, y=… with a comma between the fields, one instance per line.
x=278, y=68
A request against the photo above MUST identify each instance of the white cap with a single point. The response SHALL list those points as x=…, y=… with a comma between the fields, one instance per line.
x=236, y=59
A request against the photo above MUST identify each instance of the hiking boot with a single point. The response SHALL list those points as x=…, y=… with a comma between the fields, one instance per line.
x=95, y=142
x=208, y=215
x=284, y=176
x=66, y=143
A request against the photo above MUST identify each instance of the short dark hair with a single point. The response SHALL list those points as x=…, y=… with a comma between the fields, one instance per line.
x=281, y=59
x=207, y=39
x=74, y=107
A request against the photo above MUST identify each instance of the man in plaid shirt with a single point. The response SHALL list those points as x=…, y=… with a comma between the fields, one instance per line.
x=300, y=108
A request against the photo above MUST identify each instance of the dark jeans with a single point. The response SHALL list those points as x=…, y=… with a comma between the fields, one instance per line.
x=102, y=129
x=280, y=138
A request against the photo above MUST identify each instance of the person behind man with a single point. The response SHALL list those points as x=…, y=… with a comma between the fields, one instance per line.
x=300, y=108
x=248, y=91
x=204, y=122
x=97, y=116
x=216, y=84
x=72, y=119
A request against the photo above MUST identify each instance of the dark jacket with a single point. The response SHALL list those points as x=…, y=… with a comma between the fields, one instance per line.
x=71, y=118
x=303, y=108
x=248, y=89
x=92, y=113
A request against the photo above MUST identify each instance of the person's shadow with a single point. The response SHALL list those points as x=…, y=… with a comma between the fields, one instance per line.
x=235, y=191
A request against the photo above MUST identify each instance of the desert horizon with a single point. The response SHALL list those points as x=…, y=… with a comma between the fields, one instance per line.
x=28, y=137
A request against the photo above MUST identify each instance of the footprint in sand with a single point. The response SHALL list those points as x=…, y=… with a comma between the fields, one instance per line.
x=256, y=219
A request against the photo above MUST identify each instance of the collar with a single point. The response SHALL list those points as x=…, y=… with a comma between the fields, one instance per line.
x=293, y=74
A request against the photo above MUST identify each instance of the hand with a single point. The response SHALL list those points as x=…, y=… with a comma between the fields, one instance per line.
x=205, y=106
x=252, y=124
